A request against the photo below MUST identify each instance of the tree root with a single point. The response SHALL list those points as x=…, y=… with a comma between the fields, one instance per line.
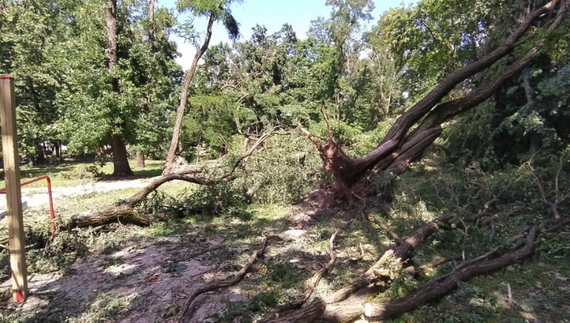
x=225, y=284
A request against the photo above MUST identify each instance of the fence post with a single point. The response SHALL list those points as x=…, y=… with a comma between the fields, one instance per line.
x=13, y=192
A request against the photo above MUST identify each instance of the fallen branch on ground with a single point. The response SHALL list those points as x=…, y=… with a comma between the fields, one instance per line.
x=225, y=284
x=125, y=212
x=435, y=288
x=390, y=262
x=439, y=287
x=314, y=282
x=384, y=227
x=438, y=261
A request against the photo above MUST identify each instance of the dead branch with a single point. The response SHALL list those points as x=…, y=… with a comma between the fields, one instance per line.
x=384, y=227
x=125, y=212
x=250, y=152
x=391, y=262
x=308, y=314
x=438, y=261
x=439, y=287
x=553, y=206
x=225, y=284
x=435, y=288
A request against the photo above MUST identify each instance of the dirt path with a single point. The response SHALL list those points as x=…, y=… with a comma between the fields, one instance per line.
x=38, y=197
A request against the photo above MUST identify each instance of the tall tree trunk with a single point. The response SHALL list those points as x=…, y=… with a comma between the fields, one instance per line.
x=151, y=35
x=121, y=166
x=120, y=160
x=184, y=97
x=40, y=158
x=140, y=160
x=401, y=146
x=56, y=149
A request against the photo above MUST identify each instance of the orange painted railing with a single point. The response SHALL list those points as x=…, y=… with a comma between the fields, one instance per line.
x=51, y=211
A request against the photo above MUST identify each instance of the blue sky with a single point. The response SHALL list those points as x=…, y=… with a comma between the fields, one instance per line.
x=272, y=14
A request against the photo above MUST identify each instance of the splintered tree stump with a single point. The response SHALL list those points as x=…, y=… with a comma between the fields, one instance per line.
x=417, y=128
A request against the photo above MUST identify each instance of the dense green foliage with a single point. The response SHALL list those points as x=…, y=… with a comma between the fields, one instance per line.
x=351, y=75
x=56, y=53
x=497, y=170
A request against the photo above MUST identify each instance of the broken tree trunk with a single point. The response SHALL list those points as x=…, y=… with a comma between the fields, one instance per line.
x=357, y=306
x=401, y=146
x=390, y=262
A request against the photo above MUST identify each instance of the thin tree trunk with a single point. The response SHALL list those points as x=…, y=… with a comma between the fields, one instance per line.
x=184, y=96
x=151, y=35
x=40, y=158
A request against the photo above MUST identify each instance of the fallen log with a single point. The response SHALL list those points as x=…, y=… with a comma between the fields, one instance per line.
x=391, y=262
x=125, y=212
x=439, y=287
x=357, y=306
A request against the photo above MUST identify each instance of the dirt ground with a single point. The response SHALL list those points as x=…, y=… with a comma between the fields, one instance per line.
x=147, y=282
x=141, y=282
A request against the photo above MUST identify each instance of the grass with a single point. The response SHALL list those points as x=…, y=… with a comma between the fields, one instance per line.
x=539, y=286
x=74, y=174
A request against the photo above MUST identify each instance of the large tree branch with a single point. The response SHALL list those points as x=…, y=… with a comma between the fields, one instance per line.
x=395, y=152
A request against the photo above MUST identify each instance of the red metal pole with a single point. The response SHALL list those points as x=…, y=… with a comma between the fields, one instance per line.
x=51, y=210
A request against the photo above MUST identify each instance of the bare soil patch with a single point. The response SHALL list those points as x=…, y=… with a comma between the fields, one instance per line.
x=138, y=283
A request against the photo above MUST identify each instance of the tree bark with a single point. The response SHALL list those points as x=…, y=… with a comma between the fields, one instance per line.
x=151, y=34
x=394, y=257
x=121, y=166
x=126, y=212
x=400, y=146
x=140, y=160
x=355, y=307
x=170, y=158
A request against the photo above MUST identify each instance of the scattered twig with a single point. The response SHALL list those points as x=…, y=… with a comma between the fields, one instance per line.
x=510, y=294
x=250, y=152
x=552, y=205
x=438, y=261
x=314, y=281
x=384, y=227
x=464, y=239
x=217, y=285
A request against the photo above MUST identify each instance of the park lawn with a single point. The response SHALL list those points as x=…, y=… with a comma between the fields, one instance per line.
x=74, y=174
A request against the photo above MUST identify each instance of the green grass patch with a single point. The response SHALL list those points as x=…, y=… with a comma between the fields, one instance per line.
x=74, y=174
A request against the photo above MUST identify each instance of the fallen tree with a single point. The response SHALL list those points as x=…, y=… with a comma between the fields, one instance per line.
x=126, y=211
x=417, y=128
x=349, y=310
